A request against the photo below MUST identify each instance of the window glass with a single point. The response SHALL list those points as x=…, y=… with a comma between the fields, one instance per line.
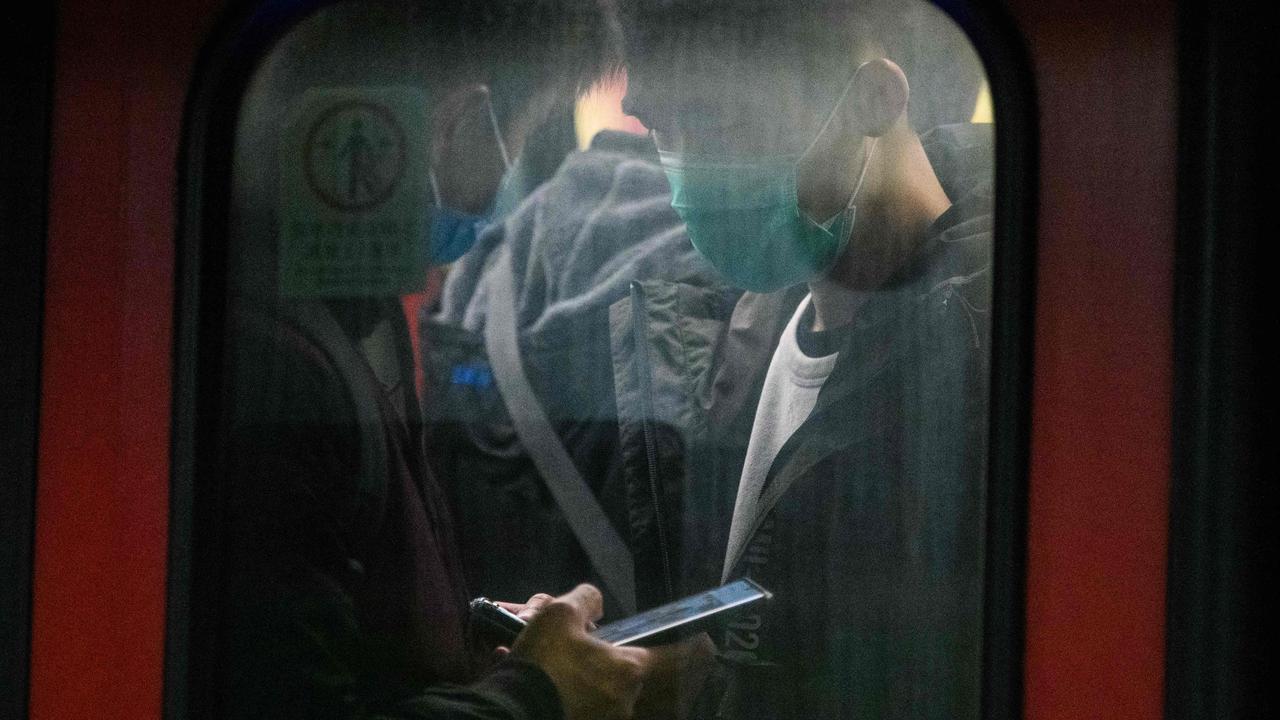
x=651, y=296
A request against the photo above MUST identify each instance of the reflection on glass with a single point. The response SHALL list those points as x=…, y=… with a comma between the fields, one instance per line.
x=750, y=341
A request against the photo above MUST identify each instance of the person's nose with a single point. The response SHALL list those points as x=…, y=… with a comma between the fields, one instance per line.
x=641, y=102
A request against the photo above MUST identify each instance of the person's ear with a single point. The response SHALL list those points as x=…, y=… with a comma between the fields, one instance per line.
x=453, y=123
x=879, y=97
x=468, y=164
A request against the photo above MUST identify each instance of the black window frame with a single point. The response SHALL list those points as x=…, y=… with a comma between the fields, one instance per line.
x=226, y=65
x=26, y=83
x=1223, y=567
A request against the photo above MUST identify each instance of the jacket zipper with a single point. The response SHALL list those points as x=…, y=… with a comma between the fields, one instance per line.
x=639, y=324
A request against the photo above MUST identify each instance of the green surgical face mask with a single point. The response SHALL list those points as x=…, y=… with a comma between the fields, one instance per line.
x=744, y=217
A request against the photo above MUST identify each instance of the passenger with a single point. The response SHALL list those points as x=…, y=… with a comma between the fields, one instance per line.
x=343, y=596
x=601, y=223
x=853, y=377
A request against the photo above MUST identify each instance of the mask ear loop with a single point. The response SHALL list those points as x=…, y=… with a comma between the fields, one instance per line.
x=497, y=131
x=850, y=209
x=831, y=116
x=435, y=186
x=871, y=151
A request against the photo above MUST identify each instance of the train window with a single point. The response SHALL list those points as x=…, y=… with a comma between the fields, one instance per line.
x=509, y=296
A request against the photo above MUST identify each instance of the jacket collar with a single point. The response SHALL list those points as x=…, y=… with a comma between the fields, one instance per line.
x=750, y=340
x=883, y=334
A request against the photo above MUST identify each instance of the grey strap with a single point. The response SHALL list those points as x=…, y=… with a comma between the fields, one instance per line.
x=314, y=319
x=608, y=554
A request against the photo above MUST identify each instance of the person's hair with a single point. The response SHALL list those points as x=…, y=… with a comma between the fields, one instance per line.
x=819, y=41
x=520, y=47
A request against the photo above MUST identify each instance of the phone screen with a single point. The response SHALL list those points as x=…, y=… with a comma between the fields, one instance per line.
x=682, y=612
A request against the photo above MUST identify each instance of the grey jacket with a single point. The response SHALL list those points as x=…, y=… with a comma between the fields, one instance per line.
x=602, y=222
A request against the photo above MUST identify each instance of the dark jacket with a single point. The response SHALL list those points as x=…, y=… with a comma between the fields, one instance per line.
x=603, y=220
x=344, y=594
x=874, y=544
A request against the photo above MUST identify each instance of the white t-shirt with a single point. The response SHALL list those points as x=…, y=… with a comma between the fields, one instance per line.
x=789, y=395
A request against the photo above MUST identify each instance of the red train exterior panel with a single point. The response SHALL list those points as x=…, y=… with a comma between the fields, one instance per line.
x=1098, y=496
x=122, y=73
x=1105, y=75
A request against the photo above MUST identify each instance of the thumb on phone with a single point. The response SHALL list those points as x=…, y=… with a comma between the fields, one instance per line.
x=596, y=680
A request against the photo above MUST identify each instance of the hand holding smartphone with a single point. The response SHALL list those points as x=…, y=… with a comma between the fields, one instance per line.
x=496, y=620
x=650, y=627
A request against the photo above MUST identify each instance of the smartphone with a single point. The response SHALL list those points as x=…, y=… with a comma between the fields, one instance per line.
x=694, y=612
x=500, y=623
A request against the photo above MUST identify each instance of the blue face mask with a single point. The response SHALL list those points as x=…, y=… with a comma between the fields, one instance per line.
x=453, y=232
x=744, y=217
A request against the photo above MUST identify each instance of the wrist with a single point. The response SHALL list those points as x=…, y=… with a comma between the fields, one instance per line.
x=525, y=688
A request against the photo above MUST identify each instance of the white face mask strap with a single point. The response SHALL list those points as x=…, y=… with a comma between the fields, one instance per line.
x=497, y=131
x=835, y=109
x=871, y=151
x=435, y=186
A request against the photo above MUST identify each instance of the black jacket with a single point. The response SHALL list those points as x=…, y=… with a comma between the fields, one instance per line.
x=874, y=545
x=343, y=593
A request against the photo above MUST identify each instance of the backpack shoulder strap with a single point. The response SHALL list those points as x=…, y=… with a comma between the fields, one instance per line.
x=609, y=555
x=319, y=325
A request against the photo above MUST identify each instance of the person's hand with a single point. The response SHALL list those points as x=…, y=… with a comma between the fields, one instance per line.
x=596, y=680
x=526, y=611
x=674, y=678
x=529, y=608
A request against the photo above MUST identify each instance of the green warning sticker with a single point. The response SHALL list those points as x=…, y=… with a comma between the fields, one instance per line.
x=353, y=184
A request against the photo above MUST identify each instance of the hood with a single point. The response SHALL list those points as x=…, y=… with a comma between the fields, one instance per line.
x=578, y=241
